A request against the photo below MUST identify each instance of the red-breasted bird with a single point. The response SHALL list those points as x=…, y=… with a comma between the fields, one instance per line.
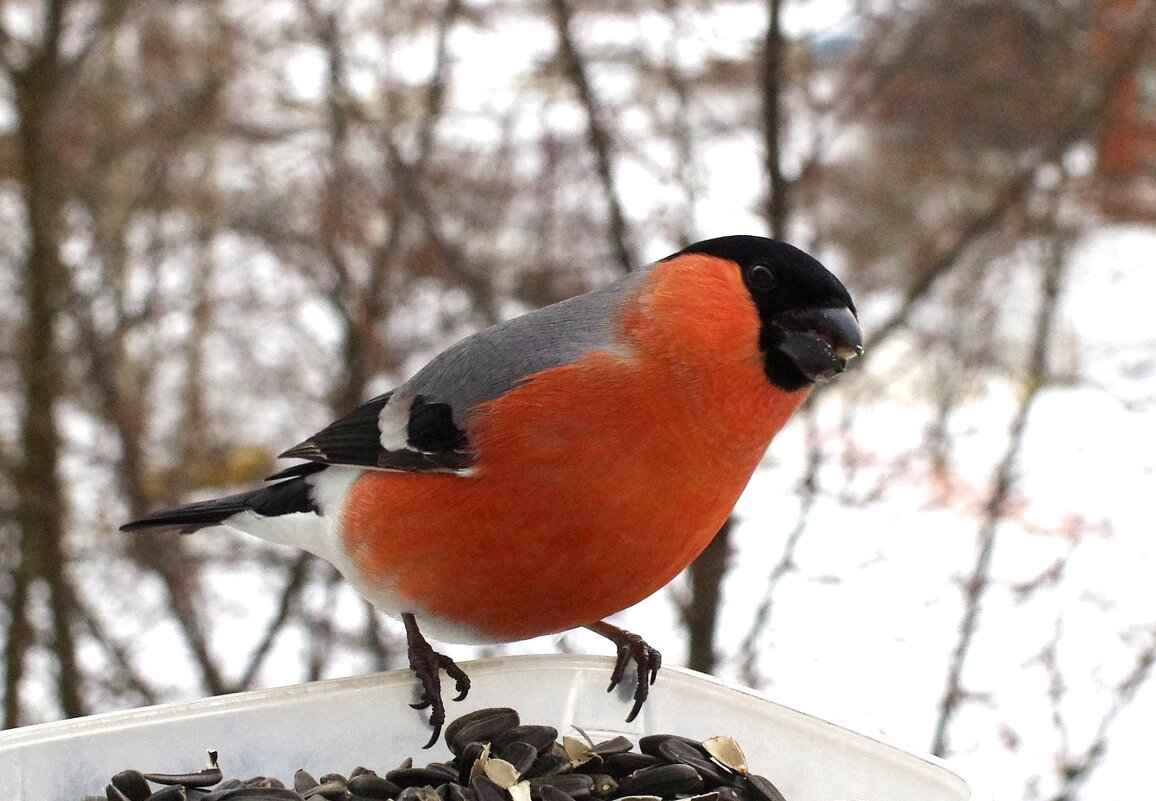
x=559, y=467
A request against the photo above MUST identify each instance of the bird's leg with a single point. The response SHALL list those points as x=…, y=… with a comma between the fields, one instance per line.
x=647, y=661
x=425, y=662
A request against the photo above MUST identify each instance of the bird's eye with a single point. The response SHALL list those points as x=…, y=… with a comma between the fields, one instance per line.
x=761, y=276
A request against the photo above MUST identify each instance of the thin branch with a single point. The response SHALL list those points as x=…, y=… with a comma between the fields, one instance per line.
x=127, y=672
x=479, y=287
x=808, y=495
x=596, y=133
x=1086, y=111
x=976, y=585
x=290, y=598
x=1076, y=769
x=772, y=74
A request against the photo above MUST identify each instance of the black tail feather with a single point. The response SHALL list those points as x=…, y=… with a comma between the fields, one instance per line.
x=279, y=499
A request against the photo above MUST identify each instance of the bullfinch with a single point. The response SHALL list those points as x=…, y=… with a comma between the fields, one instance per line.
x=558, y=467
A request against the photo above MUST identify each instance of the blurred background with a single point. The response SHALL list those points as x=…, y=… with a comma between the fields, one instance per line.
x=223, y=223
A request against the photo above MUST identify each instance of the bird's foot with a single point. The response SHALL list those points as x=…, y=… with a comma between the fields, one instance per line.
x=647, y=661
x=425, y=662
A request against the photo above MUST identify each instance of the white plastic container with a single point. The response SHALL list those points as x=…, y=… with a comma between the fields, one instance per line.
x=333, y=726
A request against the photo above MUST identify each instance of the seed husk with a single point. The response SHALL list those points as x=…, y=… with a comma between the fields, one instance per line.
x=501, y=773
x=203, y=778
x=578, y=751
x=726, y=751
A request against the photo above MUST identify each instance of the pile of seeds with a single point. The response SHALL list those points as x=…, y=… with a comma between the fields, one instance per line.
x=496, y=758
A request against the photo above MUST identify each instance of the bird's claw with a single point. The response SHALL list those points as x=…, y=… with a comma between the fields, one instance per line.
x=647, y=661
x=426, y=663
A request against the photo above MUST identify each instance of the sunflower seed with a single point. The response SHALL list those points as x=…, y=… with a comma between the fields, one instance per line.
x=548, y=792
x=331, y=790
x=447, y=770
x=541, y=737
x=575, y=785
x=420, y=777
x=371, y=785
x=132, y=784
x=604, y=785
x=619, y=765
x=616, y=745
x=485, y=790
x=467, y=759
x=505, y=761
x=452, y=791
x=684, y=753
x=265, y=781
x=426, y=793
x=113, y=793
x=711, y=796
x=252, y=794
x=521, y=755
x=549, y=763
x=761, y=789
x=303, y=780
x=663, y=780
x=484, y=726
x=650, y=743
x=729, y=792
x=172, y=792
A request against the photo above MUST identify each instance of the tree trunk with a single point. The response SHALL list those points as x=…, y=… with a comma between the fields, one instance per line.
x=41, y=508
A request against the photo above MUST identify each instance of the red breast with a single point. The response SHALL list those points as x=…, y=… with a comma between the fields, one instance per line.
x=596, y=482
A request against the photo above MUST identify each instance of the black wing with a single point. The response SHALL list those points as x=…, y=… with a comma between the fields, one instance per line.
x=433, y=441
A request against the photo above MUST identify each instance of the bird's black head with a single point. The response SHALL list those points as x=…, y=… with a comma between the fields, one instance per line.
x=808, y=324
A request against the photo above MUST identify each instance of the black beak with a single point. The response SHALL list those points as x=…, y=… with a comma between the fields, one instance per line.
x=819, y=342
